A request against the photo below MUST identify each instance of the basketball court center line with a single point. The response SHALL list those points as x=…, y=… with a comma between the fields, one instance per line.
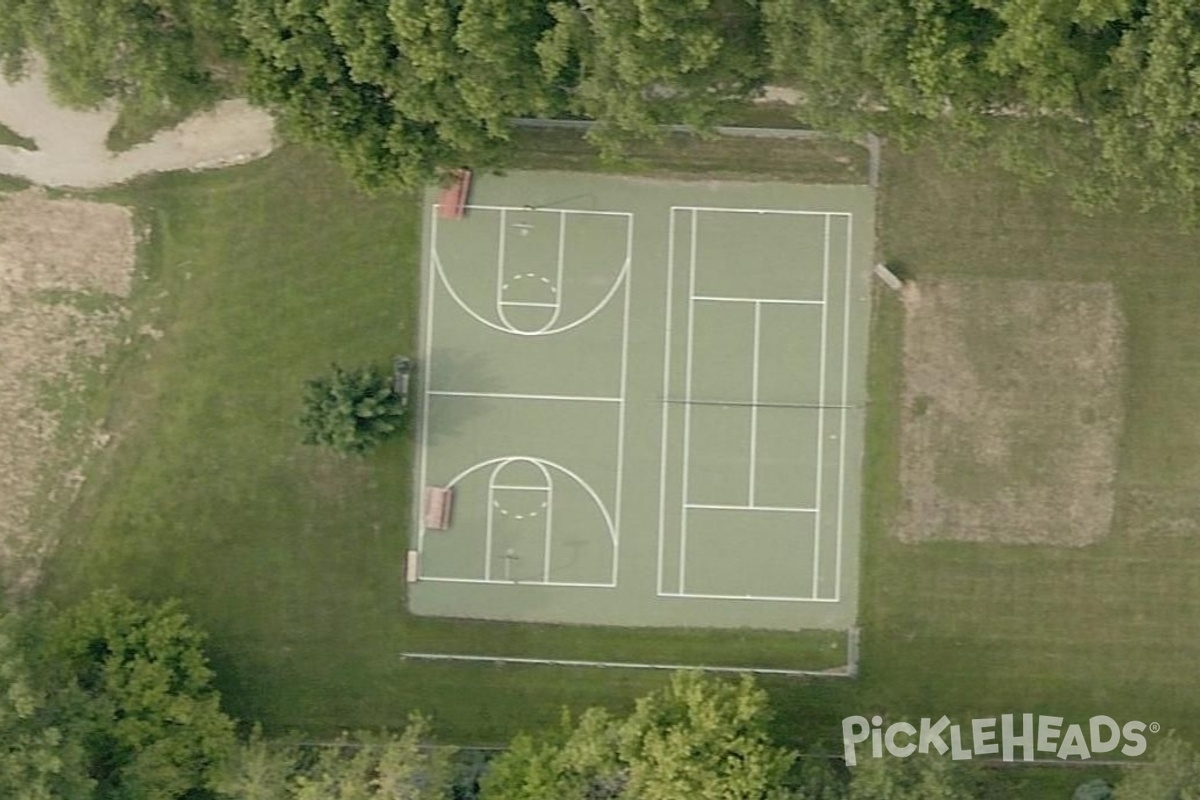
x=528, y=304
x=819, y=500
x=498, y=582
x=837, y=575
x=768, y=300
x=687, y=409
x=754, y=400
x=514, y=396
x=624, y=397
x=719, y=507
x=790, y=211
x=550, y=210
x=662, y=470
x=759, y=598
x=431, y=280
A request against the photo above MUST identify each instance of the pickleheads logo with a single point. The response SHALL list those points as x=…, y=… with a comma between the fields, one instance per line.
x=1028, y=734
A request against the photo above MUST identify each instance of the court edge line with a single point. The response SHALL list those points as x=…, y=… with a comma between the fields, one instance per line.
x=687, y=410
x=549, y=210
x=498, y=582
x=783, y=301
x=667, y=341
x=818, y=499
x=627, y=271
x=843, y=671
x=837, y=577
x=750, y=597
x=754, y=400
x=512, y=396
x=426, y=371
x=719, y=507
x=789, y=211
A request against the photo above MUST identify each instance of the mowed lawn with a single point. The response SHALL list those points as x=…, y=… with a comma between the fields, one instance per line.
x=258, y=278
x=977, y=630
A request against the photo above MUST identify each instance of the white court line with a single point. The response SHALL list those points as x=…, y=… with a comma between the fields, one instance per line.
x=513, y=396
x=528, y=304
x=666, y=392
x=498, y=582
x=719, y=507
x=819, y=500
x=758, y=300
x=754, y=400
x=521, y=488
x=487, y=541
x=687, y=409
x=500, y=282
x=761, y=598
x=837, y=570
x=793, y=212
x=620, y=487
x=550, y=210
x=431, y=281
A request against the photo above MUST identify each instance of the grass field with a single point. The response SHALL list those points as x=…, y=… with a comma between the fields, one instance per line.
x=272, y=270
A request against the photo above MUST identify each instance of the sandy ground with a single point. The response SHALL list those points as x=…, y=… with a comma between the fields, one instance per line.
x=71, y=149
x=1012, y=411
x=66, y=268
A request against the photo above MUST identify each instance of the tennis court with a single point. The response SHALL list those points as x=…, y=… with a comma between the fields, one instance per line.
x=647, y=398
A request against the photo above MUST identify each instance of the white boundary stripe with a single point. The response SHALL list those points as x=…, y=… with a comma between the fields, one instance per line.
x=667, y=341
x=426, y=372
x=527, y=304
x=819, y=499
x=754, y=400
x=576, y=398
x=758, y=300
x=837, y=572
x=498, y=582
x=833, y=672
x=687, y=409
x=550, y=210
x=512, y=488
x=788, y=211
x=620, y=487
x=752, y=597
x=718, y=507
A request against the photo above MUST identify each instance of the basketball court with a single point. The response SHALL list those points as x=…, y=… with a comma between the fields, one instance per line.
x=646, y=398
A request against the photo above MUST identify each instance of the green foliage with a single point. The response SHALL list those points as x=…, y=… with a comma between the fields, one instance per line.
x=350, y=411
x=1173, y=774
x=697, y=738
x=912, y=778
x=109, y=699
x=1095, y=789
x=151, y=55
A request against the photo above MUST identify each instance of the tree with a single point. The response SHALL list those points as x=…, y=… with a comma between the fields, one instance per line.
x=1173, y=774
x=696, y=737
x=914, y=778
x=150, y=55
x=129, y=683
x=350, y=411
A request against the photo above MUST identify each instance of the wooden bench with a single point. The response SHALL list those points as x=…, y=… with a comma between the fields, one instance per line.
x=410, y=567
x=453, y=200
x=438, y=501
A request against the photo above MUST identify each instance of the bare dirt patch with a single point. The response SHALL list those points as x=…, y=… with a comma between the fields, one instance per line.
x=65, y=268
x=1012, y=409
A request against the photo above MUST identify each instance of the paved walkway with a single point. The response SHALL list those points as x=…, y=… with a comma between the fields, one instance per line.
x=71, y=150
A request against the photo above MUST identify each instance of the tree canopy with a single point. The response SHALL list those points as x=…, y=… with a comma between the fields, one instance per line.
x=351, y=411
x=108, y=699
x=697, y=738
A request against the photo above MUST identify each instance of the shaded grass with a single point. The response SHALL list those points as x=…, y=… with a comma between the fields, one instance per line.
x=10, y=138
x=259, y=277
x=819, y=160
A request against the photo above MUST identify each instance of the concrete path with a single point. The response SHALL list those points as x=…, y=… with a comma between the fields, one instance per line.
x=71, y=150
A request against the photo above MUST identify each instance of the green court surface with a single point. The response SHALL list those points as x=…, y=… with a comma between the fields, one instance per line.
x=647, y=397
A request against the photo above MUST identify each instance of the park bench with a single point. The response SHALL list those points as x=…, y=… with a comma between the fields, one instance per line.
x=453, y=200
x=438, y=500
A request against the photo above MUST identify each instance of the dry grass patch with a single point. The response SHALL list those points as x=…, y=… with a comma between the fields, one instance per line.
x=1012, y=409
x=65, y=267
